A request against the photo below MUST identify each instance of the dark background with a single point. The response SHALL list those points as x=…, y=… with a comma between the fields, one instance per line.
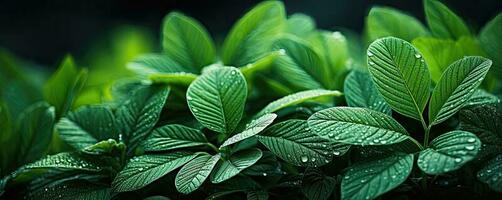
x=43, y=31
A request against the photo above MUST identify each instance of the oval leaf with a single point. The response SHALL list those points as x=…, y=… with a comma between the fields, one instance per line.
x=443, y=22
x=360, y=91
x=457, y=84
x=239, y=161
x=357, y=126
x=143, y=170
x=217, y=98
x=173, y=136
x=293, y=142
x=87, y=125
x=385, y=21
x=253, y=128
x=369, y=180
x=193, y=174
x=400, y=75
x=187, y=42
x=296, y=98
x=449, y=152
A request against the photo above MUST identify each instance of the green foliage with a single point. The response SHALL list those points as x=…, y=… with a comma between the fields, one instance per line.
x=262, y=117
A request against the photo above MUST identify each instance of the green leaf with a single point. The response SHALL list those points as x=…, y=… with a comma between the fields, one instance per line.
x=485, y=121
x=108, y=147
x=261, y=64
x=316, y=185
x=360, y=91
x=239, y=161
x=257, y=195
x=443, y=22
x=193, y=174
x=67, y=161
x=143, y=170
x=181, y=78
x=187, y=42
x=139, y=114
x=385, y=21
x=148, y=64
x=34, y=128
x=491, y=174
x=217, y=98
x=481, y=97
x=456, y=86
x=296, y=98
x=400, y=75
x=293, y=141
x=63, y=86
x=268, y=165
x=253, y=128
x=77, y=189
x=368, y=180
x=490, y=40
x=449, y=152
x=251, y=37
x=301, y=67
x=300, y=25
x=173, y=136
x=357, y=126
x=87, y=126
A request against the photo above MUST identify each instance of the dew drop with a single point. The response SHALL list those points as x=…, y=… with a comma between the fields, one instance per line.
x=418, y=56
x=458, y=160
x=471, y=140
x=371, y=63
x=304, y=158
x=370, y=54
x=264, y=174
x=469, y=147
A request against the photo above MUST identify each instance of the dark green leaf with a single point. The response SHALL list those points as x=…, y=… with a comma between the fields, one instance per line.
x=293, y=141
x=457, y=84
x=173, y=136
x=257, y=195
x=485, y=121
x=67, y=161
x=449, y=152
x=491, y=174
x=87, y=126
x=316, y=185
x=368, y=180
x=143, y=170
x=217, y=98
x=72, y=190
x=360, y=91
x=400, y=75
x=253, y=128
x=239, y=161
x=194, y=173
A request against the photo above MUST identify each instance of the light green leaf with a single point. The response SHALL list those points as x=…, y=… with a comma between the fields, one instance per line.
x=251, y=37
x=87, y=126
x=67, y=161
x=253, y=128
x=385, y=21
x=491, y=174
x=293, y=141
x=491, y=42
x=71, y=190
x=187, y=42
x=193, y=174
x=300, y=25
x=368, y=180
x=237, y=162
x=137, y=116
x=400, y=75
x=357, y=126
x=296, y=98
x=261, y=64
x=34, y=128
x=217, y=98
x=173, y=136
x=301, y=67
x=181, y=78
x=316, y=185
x=63, y=86
x=360, y=91
x=456, y=86
x=443, y=22
x=449, y=152
x=148, y=64
x=143, y=170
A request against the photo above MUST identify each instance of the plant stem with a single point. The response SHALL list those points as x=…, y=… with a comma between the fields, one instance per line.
x=213, y=147
x=426, y=137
